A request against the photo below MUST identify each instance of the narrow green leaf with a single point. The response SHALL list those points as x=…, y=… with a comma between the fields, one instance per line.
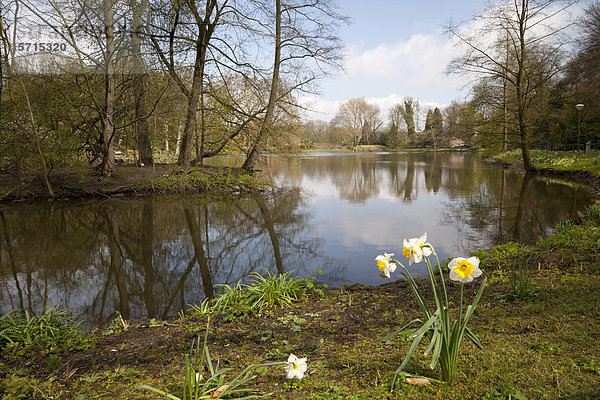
x=418, y=335
x=473, y=338
x=158, y=391
x=391, y=335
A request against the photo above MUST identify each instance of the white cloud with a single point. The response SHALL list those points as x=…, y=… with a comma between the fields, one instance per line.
x=319, y=107
x=412, y=62
x=388, y=73
x=384, y=72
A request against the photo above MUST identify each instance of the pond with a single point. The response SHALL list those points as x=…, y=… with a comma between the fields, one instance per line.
x=151, y=257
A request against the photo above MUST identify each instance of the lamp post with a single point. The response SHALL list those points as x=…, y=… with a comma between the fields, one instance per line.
x=579, y=107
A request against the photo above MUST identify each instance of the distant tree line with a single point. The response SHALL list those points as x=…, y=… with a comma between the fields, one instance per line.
x=528, y=76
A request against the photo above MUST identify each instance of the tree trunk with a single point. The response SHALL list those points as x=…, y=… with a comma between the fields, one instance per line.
x=147, y=256
x=257, y=149
x=141, y=124
x=206, y=28
x=185, y=151
x=1, y=56
x=523, y=196
x=178, y=142
x=116, y=261
x=167, y=138
x=270, y=226
x=10, y=62
x=504, y=105
x=520, y=87
x=107, y=168
x=199, y=253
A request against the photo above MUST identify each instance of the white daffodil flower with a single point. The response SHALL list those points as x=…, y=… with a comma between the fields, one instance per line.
x=463, y=270
x=385, y=265
x=416, y=248
x=296, y=367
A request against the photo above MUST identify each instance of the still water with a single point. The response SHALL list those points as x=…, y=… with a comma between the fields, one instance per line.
x=152, y=257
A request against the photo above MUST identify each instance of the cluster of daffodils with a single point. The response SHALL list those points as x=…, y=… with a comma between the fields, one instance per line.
x=296, y=367
x=444, y=333
x=462, y=270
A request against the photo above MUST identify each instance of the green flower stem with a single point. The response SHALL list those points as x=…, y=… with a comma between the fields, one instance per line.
x=462, y=285
x=441, y=275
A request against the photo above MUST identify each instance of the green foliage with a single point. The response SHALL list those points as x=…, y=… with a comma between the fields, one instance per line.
x=584, y=365
x=504, y=392
x=273, y=290
x=198, y=363
x=501, y=256
x=54, y=329
x=519, y=277
x=593, y=211
x=296, y=322
x=14, y=387
x=581, y=238
x=119, y=374
x=276, y=290
x=558, y=160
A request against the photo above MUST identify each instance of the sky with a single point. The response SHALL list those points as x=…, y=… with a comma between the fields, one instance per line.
x=394, y=49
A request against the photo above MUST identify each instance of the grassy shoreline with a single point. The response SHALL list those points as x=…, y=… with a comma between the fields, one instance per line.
x=556, y=160
x=132, y=181
x=571, y=166
x=541, y=344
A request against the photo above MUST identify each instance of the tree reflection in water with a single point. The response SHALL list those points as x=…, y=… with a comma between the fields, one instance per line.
x=153, y=257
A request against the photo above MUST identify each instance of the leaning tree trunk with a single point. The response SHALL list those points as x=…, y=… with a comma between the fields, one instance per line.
x=185, y=151
x=257, y=149
x=207, y=29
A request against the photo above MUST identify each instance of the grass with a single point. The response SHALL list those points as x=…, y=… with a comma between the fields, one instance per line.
x=53, y=330
x=273, y=290
x=545, y=347
x=199, y=363
x=557, y=160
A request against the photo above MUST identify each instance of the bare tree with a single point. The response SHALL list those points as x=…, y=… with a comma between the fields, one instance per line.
x=357, y=118
x=256, y=149
x=89, y=28
x=185, y=30
x=138, y=8
x=372, y=122
x=305, y=43
x=530, y=31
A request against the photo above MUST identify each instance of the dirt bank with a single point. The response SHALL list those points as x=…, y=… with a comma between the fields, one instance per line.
x=130, y=180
